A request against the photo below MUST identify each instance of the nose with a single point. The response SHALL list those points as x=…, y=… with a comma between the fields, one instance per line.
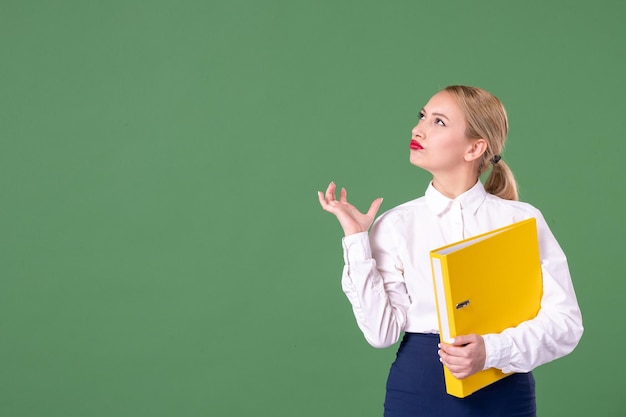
x=417, y=131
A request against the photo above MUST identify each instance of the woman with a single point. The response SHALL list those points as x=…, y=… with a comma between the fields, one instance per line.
x=388, y=280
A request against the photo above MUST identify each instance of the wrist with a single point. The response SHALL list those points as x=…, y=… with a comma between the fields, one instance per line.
x=351, y=232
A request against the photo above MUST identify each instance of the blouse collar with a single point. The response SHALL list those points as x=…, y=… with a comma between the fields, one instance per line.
x=469, y=200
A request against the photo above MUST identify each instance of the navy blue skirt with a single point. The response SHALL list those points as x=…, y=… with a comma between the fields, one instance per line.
x=416, y=387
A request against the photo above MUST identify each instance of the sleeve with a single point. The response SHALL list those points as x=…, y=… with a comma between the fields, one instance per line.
x=373, y=281
x=555, y=331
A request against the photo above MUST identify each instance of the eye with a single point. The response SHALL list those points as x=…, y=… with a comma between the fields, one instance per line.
x=440, y=122
x=422, y=116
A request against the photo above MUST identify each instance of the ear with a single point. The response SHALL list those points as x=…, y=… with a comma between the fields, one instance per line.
x=476, y=149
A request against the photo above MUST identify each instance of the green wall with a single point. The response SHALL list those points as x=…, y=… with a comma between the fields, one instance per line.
x=162, y=250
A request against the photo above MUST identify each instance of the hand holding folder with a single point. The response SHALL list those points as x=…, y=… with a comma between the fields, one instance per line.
x=486, y=284
x=464, y=356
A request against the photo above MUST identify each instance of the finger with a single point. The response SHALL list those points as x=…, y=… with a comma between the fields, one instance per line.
x=452, y=351
x=460, y=374
x=330, y=192
x=322, y=200
x=447, y=357
x=454, y=366
x=460, y=370
x=343, y=195
x=451, y=360
x=374, y=207
x=464, y=340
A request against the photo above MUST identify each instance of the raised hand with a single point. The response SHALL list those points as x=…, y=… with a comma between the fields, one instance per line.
x=351, y=220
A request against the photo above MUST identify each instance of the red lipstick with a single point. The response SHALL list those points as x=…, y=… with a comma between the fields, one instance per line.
x=415, y=145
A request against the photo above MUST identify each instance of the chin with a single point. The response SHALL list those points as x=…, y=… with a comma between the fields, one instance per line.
x=415, y=161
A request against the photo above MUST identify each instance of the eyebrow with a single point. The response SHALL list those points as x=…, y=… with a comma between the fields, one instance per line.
x=437, y=114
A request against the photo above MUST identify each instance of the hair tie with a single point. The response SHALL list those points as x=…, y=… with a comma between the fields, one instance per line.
x=495, y=159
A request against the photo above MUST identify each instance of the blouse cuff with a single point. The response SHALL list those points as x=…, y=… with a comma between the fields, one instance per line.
x=498, y=350
x=356, y=248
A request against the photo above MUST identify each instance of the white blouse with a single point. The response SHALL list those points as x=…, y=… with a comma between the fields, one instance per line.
x=388, y=279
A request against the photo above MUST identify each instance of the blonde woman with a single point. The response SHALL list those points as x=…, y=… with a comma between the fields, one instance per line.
x=387, y=276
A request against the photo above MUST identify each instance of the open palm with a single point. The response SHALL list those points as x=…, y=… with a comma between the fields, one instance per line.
x=351, y=220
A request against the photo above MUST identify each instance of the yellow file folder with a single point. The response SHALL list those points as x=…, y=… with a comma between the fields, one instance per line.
x=486, y=284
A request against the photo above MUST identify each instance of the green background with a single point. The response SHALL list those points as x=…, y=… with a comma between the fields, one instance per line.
x=162, y=250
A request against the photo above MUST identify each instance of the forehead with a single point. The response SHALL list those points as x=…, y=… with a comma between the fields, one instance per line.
x=444, y=103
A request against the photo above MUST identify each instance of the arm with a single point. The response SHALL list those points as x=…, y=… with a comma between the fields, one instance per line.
x=555, y=331
x=372, y=279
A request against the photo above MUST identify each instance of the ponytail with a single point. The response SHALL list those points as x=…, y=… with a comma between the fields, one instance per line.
x=501, y=181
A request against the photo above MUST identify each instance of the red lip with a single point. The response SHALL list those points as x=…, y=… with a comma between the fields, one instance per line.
x=415, y=145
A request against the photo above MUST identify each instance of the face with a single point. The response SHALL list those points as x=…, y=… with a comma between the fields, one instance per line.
x=438, y=142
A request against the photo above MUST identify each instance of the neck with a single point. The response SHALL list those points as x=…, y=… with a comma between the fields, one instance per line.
x=453, y=187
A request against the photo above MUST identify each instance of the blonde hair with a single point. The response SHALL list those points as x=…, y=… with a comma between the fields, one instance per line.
x=486, y=118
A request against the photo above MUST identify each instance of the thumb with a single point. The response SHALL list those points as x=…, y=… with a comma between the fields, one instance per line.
x=464, y=340
x=374, y=207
